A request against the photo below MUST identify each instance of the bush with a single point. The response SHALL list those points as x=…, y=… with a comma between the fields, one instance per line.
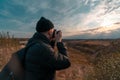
x=108, y=67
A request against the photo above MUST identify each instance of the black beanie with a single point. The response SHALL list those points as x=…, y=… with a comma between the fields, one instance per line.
x=44, y=25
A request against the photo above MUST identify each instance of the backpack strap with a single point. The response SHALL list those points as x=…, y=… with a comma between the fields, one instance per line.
x=26, y=49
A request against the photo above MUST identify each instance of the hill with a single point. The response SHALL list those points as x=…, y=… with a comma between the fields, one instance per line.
x=91, y=59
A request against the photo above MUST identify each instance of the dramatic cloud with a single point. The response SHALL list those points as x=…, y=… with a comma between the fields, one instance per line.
x=112, y=31
x=74, y=17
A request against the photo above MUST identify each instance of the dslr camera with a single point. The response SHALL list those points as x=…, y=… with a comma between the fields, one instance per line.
x=55, y=32
x=53, y=36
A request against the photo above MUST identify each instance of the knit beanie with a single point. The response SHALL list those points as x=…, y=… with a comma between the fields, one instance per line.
x=44, y=25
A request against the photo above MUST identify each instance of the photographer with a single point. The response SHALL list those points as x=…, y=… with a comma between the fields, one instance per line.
x=42, y=60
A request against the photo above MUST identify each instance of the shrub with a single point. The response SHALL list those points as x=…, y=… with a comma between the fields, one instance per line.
x=108, y=67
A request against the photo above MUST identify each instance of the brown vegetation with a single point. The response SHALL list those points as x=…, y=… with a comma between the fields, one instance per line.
x=90, y=59
x=103, y=57
x=8, y=45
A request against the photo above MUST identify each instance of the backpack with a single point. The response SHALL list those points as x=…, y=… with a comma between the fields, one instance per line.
x=15, y=68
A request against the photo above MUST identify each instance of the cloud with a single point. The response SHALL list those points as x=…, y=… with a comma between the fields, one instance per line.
x=115, y=5
x=105, y=29
x=5, y=13
x=112, y=31
x=96, y=16
x=117, y=23
x=72, y=16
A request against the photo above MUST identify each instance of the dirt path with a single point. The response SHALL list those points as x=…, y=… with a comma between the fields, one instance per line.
x=80, y=67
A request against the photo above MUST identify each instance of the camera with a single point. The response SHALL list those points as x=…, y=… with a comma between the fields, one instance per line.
x=55, y=32
x=53, y=36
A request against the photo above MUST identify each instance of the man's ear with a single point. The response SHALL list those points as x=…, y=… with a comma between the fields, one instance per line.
x=49, y=32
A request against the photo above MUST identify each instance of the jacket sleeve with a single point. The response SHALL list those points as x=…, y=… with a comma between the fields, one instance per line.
x=61, y=48
x=59, y=60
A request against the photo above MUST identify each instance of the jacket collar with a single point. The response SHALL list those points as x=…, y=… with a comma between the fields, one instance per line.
x=40, y=37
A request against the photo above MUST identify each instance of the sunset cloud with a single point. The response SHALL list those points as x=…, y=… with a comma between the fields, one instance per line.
x=74, y=17
x=112, y=31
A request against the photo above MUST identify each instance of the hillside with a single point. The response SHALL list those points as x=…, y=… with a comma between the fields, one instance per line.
x=79, y=69
x=99, y=59
x=90, y=59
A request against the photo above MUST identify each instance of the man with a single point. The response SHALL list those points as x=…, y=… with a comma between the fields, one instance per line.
x=42, y=60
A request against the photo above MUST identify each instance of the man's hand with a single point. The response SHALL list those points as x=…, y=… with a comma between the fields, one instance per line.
x=58, y=36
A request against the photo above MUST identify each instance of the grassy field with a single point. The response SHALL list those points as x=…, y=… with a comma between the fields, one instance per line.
x=8, y=45
x=90, y=59
x=100, y=59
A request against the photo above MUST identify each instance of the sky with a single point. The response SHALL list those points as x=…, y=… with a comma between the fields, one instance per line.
x=78, y=19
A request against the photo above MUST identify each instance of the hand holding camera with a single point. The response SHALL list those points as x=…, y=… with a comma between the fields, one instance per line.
x=57, y=35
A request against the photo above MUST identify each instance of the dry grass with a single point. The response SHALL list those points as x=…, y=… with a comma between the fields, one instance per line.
x=105, y=59
x=90, y=59
x=8, y=45
x=108, y=67
x=80, y=67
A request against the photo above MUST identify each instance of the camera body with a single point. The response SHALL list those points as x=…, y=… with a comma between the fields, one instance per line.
x=53, y=37
x=55, y=32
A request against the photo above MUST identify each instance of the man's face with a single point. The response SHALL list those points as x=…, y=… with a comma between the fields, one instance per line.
x=50, y=32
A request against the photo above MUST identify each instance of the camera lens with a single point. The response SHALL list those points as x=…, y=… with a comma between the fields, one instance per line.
x=53, y=36
x=57, y=32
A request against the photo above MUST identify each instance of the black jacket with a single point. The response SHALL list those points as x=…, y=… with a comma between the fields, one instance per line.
x=41, y=61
